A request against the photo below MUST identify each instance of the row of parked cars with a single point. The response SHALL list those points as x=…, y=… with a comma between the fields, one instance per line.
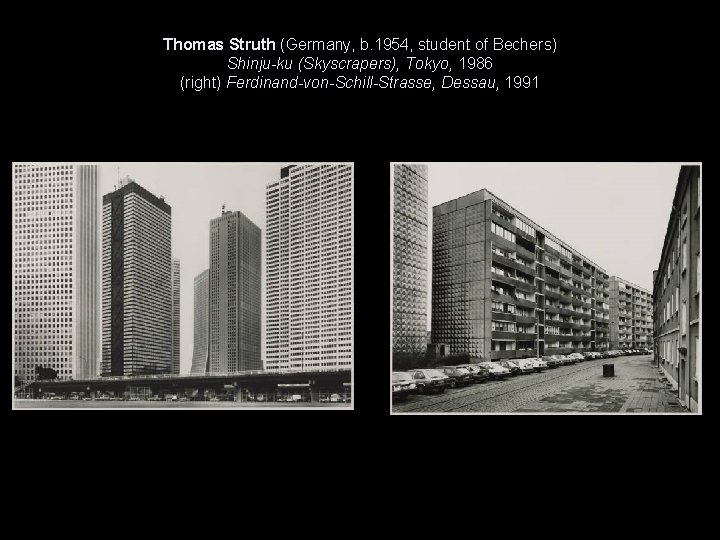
x=436, y=380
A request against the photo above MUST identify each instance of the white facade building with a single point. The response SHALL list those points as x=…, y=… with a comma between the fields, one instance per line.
x=55, y=269
x=309, y=268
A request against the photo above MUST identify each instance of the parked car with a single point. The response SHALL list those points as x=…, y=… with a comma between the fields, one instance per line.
x=512, y=365
x=496, y=370
x=458, y=376
x=552, y=361
x=478, y=373
x=538, y=364
x=577, y=356
x=526, y=365
x=429, y=380
x=402, y=385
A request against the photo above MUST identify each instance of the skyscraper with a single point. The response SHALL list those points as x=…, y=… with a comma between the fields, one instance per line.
x=200, y=323
x=234, y=284
x=137, y=282
x=55, y=269
x=176, y=316
x=410, y=217
x=309, y=308
x=631, y=320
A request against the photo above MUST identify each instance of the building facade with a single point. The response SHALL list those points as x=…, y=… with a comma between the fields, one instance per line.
x=176, y=316
x=410, y=252
x=309, y=274
x=55, y=269
x=137, y=298
x=631, y=315
x=201, y=297
x=504, y=287
x=234, y=288
x=676, y=292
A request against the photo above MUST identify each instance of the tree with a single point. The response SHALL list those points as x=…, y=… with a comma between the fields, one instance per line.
x=45, y=374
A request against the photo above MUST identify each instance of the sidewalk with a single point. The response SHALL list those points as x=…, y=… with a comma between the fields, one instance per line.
x=634, y=389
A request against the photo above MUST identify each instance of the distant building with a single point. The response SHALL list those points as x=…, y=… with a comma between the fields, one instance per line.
x=200, y=323
x=631, y=319
x=676, y=291
x=176, y=316
x=55, y=269
x=234, y=283
x=137, y=319
x=309, y=307
x=410, y=259
x=504, y=287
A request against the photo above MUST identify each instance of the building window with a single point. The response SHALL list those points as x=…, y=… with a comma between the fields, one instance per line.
x=698, y=277
x=698, y=358
x=684, y=255
x=502, y=232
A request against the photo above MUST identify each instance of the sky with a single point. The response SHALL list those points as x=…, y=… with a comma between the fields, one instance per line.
x=196, y=193
x=616, y=214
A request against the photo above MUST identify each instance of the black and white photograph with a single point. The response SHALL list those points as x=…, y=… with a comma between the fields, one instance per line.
x=545, y=288
x=182, y=285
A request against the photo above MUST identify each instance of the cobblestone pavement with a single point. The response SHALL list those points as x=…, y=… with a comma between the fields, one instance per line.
x=70, y=404
x=567, y=389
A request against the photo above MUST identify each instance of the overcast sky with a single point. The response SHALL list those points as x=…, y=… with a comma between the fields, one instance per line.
x=196, y=192
x=614, y=214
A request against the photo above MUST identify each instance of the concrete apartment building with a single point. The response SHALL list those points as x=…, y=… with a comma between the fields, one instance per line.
x=55, y=269
x=410, y=253
x=631, y=315
x=137, y=319
x=234, y=288
x=504, y=287
x=309, y=267
x=176, y=316
x=676, y=291
x=201, y=298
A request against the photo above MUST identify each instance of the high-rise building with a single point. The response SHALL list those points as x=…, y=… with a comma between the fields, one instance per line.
x=631, y=320
x=504, y=287
x=410, y=253
x=676, y=291
x=200, y=322
x=55, y=269
x=309, y=274
x=136, y=283
x=235, y=280
x=176, y=316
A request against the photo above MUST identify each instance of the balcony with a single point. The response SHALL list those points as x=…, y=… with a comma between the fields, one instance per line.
x=522, y=319
x=525, y=303
x=498, y=316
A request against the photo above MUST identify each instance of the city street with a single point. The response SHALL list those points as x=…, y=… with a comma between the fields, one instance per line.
x=566, y=389
x=71, y=404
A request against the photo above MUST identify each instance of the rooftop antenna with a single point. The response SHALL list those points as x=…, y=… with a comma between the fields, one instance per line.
x=223, y=208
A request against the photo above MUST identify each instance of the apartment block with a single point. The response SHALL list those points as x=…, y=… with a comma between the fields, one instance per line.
x=201, y=298
x=505, y=287
x=631, y=319
x=676, y=291
x=410, y=253
x=234, y=288
x=309, y=273
x=55, y=269
x=137, y=319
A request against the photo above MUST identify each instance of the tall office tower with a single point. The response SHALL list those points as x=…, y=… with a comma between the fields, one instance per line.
x=410, y=221
x=200, y=323
x=137, y=282
x=309, y=280
x=55, y=269
x=234, y=283
x=504, y=287
x=176, y=316
x=631, y=321
x=677, y=299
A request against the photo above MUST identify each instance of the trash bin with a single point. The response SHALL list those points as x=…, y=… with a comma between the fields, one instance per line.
x=608, y=370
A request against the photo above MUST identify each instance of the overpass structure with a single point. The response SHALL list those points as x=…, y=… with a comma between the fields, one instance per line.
x=255, y=385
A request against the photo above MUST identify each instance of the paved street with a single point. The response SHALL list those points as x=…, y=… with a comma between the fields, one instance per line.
x=567, y=389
